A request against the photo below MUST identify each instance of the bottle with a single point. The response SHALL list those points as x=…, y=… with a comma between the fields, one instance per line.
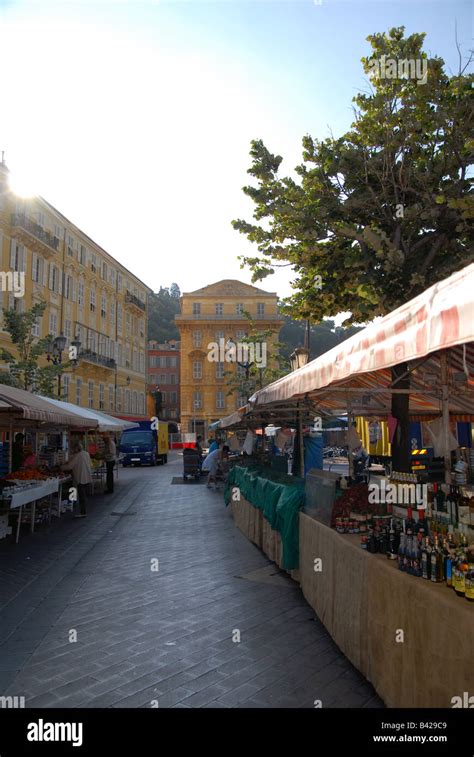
x=436, y=562
x=401, y=551
x=426, y=560
x=461, y=569
x=448, y=562
x=416, y=557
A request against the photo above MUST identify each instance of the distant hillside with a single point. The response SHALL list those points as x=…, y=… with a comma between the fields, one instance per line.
x=162, y=308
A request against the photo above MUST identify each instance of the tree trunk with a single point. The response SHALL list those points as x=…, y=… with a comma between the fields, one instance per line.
x=401, y=449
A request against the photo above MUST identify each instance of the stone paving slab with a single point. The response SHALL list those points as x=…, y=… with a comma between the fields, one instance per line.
x=88, y=621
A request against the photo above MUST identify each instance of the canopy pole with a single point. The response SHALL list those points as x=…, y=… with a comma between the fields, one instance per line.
x=10, y=448
x=445, y=408
x=300, y=433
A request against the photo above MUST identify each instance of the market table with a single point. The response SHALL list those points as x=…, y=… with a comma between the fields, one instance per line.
x=265, y=505
x=411, y=638
x=32, y=495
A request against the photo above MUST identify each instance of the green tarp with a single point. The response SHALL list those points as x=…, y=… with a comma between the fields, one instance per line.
x=279, y=496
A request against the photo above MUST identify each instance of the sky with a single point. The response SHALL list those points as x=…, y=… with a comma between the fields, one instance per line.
x=134, y=118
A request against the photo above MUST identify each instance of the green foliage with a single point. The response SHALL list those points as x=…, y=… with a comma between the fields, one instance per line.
x=162, y=308
x=24, y=371
x=323, y=336
x=380, y=213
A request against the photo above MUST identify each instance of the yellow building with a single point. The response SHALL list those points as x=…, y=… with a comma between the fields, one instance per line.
x=213, y=319
x=90, y=298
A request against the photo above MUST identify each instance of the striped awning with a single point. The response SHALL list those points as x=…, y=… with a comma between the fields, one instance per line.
x=27, y=406
x=357, y=372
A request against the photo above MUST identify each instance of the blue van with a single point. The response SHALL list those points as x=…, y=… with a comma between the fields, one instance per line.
x=139, y=447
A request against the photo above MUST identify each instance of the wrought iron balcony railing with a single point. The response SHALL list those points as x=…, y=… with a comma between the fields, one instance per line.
x=21, y=220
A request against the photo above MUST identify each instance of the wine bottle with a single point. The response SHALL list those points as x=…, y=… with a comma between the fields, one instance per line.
x=426, y=560
x=401, y=551
x=436, y=562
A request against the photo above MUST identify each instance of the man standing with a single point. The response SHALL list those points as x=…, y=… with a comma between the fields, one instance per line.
x=110, y=457
x=81, y=468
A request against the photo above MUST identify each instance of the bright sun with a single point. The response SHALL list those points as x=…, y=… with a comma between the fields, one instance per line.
x=23, y=184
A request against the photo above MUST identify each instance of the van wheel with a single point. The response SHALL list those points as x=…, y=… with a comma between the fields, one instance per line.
x=165, y=459
x=153, y=461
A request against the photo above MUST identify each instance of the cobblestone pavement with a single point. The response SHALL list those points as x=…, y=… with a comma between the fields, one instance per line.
x=148, y=637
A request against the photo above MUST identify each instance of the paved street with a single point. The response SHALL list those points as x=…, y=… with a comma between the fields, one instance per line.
x=165, y=637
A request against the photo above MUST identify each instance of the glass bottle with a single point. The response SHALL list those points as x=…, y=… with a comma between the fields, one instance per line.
x=426, y=560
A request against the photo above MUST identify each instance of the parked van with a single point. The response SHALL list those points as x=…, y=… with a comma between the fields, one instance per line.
x=144, y=445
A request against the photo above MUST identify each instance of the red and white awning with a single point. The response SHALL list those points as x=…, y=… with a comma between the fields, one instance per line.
x=441, y=318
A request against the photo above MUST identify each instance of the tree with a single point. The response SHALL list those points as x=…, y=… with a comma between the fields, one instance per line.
x=24, y=371
x=162, y=308
x=257, y=367
x=379, y=214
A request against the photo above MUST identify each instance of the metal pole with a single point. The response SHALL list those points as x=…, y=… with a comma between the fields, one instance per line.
x=10, y=449
x=300, y=432
x=445, y=408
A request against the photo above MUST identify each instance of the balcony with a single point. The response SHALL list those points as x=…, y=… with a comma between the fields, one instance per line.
x=130, y=299
x=33, y=235
x=93, y=357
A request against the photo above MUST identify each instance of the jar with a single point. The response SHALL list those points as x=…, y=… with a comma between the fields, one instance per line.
x=339, y=525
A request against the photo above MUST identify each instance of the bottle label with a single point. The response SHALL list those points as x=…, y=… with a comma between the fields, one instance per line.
x=469, y=588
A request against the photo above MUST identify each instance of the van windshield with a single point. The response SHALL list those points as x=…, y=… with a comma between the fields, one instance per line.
x=137, y=437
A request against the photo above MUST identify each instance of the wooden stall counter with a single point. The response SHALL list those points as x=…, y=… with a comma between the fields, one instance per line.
x=411, y=638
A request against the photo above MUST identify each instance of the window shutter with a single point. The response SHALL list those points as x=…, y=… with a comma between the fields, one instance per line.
x=24, y=259
x=33, y=266
x=51, y=269
x=42, y=272
x=73, y=289
x=60, y=281
x=12, y=254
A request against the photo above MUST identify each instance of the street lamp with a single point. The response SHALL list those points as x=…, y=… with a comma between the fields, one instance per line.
x=54, y=349
x=299, y=358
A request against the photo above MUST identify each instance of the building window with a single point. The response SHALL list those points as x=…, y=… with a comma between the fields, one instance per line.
x=81, y=254
x=78, y=391
x=36, y=328
x=65, y=388
x=90, y=393
x=219, y=370
x=53, y=323
x=70, y=246
x=173, y=398
x=196, y=308
x=127, y=325
x=142, y=362
x=173, y=362
x=41, y=219
x=112, y=277
x=197, y=337
x=197, y=400
x=54, y=278
x=260, y=308
x=119, y=319
x=37, y=269
x=112, y=314
x=119, y=398
x=92, y=300
x=57, y=233
x=239, y=335
x=80, y=294
x=239, y=308
x=134, y=403
x=142, y=409
x=67, y=328
x=103, y=306
x=219, y=308
x=163, y=378
x=119, y=282
x=219, y=335
x=104, y=271
x=173, y=378
x=111, y=396
x=93, y=263
x=127, y=400
x=197, y=369
x=220, y=401
x=101, y=397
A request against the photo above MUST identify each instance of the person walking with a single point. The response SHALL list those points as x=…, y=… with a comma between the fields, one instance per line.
x=81, y=468
x=110, y=458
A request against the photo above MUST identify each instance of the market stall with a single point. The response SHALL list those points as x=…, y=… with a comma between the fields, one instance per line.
x=362, y=560
x=28, y=493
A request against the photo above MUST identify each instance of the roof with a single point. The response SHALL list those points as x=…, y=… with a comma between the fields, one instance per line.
x=34, y=408
x=79, y=231
x=230, y=288
x=104, y=421
x=358, y=371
